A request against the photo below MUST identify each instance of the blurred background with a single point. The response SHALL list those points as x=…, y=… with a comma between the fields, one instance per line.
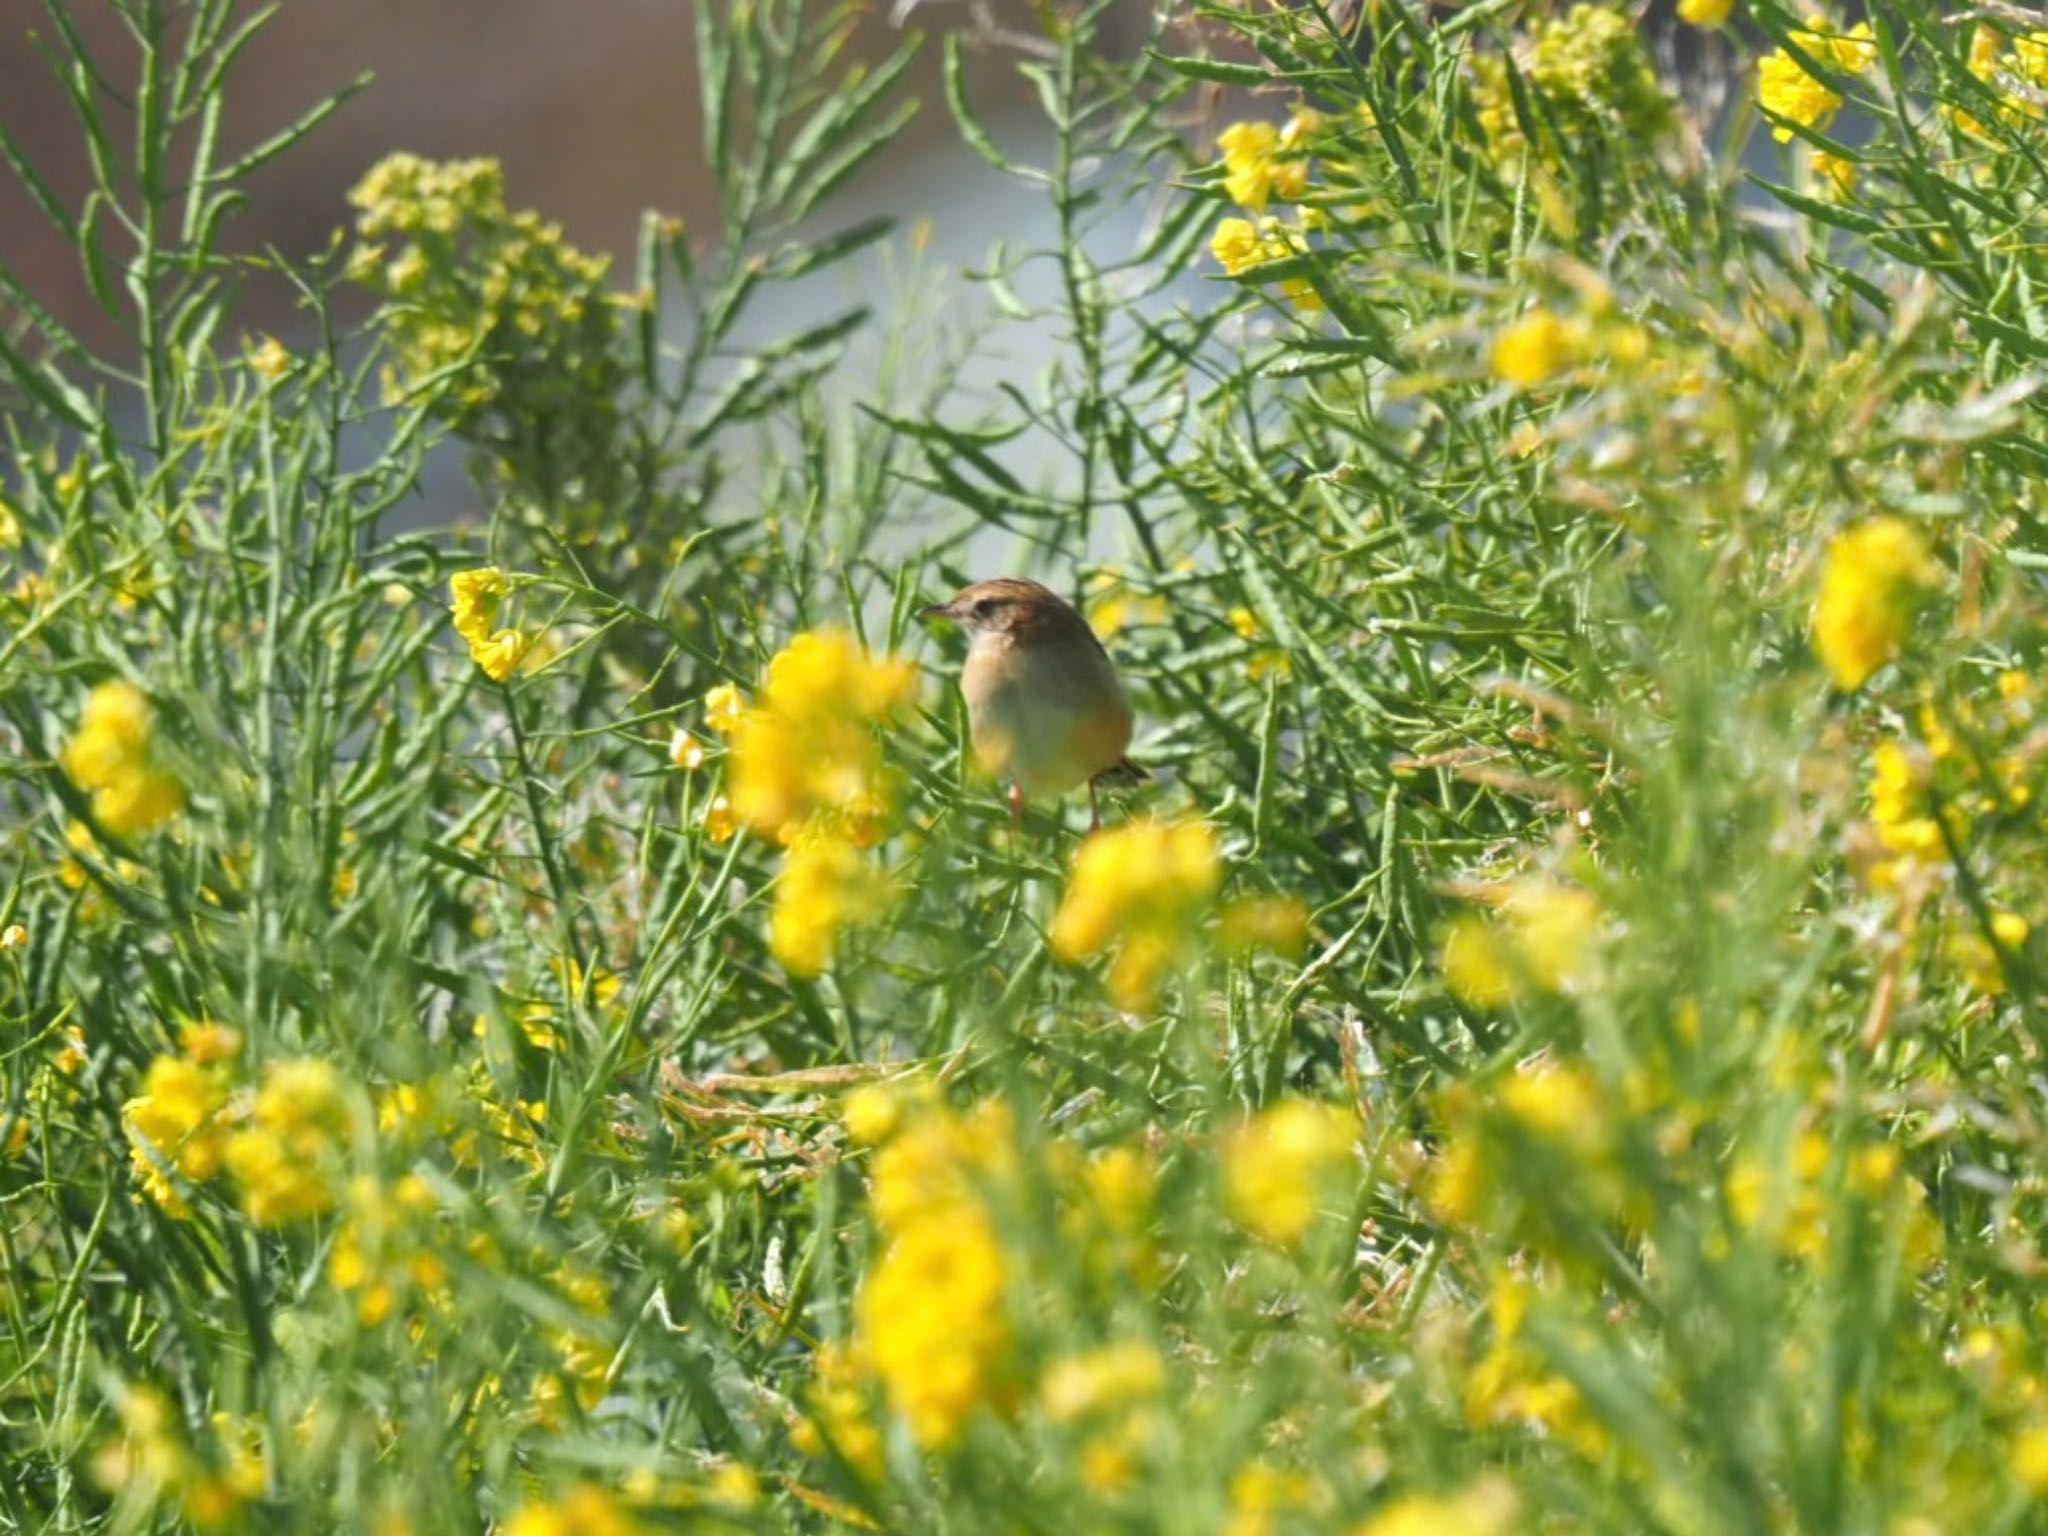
x=592, y=108
x=594, y=111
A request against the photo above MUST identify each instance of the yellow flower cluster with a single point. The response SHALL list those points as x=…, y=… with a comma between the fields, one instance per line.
x=1262, y=162
x=806, y=756
x=840, y=1420
x=1901, y=814
x=1542, y=346
x=1785, y=89
x=582, y=1350
x=930, y=1321
x=825, y=885
x=2017, y=69
x=1489, y=1508
x=1097, y=1381
x=807, y=769
x=1872, y=580
x=1551, y=1108
x=1142, y=889
x=287, y=1160
x=1267, y=659
x=154, y=1461
x=110, y=758
x=269, y=360
x=478, y=600
x=1981, y=959
x=1535, y=349
x=1590, y=67
x=1970, y=774
x=1542, y=941
x=1787, y=1200
x=1239, y=244
x=174, y=1127
x=1280, y=1169
x=1511, y=1384
x=496, y=294
x=585, y=1510
x=385, y=1252
x=1114, y=604
x=1835, y=174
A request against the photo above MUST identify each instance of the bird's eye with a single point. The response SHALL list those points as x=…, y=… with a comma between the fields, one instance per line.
x=983, y=607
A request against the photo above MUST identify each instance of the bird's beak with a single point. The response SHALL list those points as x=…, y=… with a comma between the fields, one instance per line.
x=937, y=611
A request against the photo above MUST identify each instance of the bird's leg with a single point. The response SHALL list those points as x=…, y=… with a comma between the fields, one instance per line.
x=1017, y=809
x=1094, y=809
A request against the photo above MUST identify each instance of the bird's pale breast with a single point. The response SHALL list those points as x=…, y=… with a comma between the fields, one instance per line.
x=1047, y=715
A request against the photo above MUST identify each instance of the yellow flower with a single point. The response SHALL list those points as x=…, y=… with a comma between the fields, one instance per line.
x=930, y=1169
x=1120, y=1183
x=719, y=824
x=1899, y=809
x=1142, y=888
x=1705, y=13
x=110, y=757
x=285, y=1163
x=2029, y=1459
x=1113, y=604
x=1248, y=151
x=584, y=1511
x=1838, y=174
x=685, y=751
x=1278, y=1167
x=1486, y=1509
x=1477, y=966
x=1536, y=349
x=1077, y=1386
x=1558, y=1101
x=1260, y=1493
x=1871, y=583
x=931, y=1320
x=500, y=655
x=1983, y=966
x=173, y=1124
x=1237, y=245
x=825, y=884
x=1543, y=942
x=872, y=1113
x=270, y=360
x=1785, y=89
x=724, y=707
x=206, y=1042
x=807, y=751
x=735, y=1485
x=15, y=936
x=477, y=597
x=839, y=1414
x=478, y=600
x=1261, y=162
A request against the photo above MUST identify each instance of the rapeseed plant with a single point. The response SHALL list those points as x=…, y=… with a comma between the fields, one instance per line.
x=1565, y=1043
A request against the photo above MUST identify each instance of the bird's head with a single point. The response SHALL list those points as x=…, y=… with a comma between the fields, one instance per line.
x=1007, y=606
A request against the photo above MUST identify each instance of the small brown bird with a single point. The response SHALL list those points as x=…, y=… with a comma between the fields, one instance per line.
x=1044, y=705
